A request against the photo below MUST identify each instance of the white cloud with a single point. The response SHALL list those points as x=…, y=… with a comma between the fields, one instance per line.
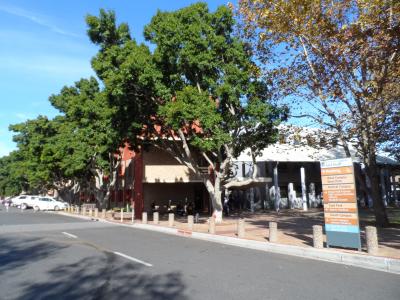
x=40, y=20
x=32, y=40
x=60, y=66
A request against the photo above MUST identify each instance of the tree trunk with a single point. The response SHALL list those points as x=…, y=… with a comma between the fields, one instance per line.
x=214, y=192
x=379, y=209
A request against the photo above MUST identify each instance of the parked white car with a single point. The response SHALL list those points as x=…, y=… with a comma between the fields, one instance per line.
x=48, y=203
x=24, y=201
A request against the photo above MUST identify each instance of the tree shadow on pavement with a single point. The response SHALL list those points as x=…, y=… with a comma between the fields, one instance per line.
x=16, y=252
x=105, y=277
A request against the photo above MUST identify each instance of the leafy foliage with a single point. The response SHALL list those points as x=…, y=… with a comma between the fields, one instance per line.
x=340, y=59
x=198, y=86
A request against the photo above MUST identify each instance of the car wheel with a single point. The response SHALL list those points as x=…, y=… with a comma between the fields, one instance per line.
x=56, y=208
x=36, y=208
x=24, y=206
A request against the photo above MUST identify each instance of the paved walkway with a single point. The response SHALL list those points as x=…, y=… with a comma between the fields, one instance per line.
x=295, y=228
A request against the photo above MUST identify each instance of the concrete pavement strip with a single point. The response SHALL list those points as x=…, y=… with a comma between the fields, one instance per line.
x=377, y=263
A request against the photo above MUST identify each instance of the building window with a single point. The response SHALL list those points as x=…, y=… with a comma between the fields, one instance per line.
x=282, y=139
x=297, y=139
x=334, y=142
x=311, y=141
x=322, y=142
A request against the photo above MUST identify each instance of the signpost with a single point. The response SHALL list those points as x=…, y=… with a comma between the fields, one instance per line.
x=340, y=203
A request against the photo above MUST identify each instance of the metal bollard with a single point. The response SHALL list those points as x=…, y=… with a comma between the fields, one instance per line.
x=211, y=225
x=133, y=216
x=318, y=237
x=96, y=213
x=155, y=217
x=372, y=240
x=144, y=218
x=241, y=229
x=90, y=212
x=122, y=215
x=83, y=211
x=103, y=213
x=190, y=222
x=273, y=232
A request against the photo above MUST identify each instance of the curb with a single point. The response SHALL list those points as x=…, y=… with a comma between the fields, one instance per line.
x=385, y=264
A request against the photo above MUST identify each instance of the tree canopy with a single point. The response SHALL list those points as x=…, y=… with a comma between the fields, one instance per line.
x=340, y=60
x=199, y=84
x=195, y=92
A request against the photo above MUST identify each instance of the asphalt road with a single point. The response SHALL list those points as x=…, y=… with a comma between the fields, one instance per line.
x=48, y=256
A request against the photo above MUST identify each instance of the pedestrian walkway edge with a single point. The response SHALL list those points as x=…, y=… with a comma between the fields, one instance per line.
x=377, y=263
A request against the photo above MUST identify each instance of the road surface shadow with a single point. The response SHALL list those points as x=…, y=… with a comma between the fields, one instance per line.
x=16, y=252
x=105, y=277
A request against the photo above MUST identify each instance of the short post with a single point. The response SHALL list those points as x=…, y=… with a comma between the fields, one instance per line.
x=318, y=237
x=273, y=232
x=90, y=212
x=372, y=240
x=122, y=215
x=211, y=225
x=155, y=217
x=84, y=210
x=133, y=216
x=240, y=228
x=78, y=210
x=96, y=213
x=171, y=220
x=65, y=209
x=190, y=222
x=103, y=213
x=144, y=217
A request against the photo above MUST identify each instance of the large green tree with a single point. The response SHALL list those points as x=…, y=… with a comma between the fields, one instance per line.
x=198, y=87
x=86, y=141
x=32, y=138
x=76, y=151
x=340, y=60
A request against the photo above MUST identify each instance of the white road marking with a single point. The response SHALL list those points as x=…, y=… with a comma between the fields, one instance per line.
x=133, y=259
x=70, y=235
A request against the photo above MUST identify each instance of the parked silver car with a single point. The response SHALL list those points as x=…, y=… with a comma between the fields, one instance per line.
x=48, y=203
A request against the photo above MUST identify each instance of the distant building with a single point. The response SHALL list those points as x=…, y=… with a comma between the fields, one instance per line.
x=155, y=178
x=294, y=165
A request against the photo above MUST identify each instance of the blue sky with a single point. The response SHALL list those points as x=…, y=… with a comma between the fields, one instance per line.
x=44, y=47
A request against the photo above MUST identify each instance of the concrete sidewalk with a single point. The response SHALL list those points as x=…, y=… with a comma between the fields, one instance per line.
x=256, y=238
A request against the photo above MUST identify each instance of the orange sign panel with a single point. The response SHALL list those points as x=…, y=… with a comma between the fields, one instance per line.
x=339, y=196
x=338, y=179
x=339, y=187
x=337, y=171
x=340, y=207
x=339, y=192
x=341, y=221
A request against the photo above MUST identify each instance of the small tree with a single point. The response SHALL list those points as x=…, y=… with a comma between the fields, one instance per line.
x=12, y=178
x=340, y=59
